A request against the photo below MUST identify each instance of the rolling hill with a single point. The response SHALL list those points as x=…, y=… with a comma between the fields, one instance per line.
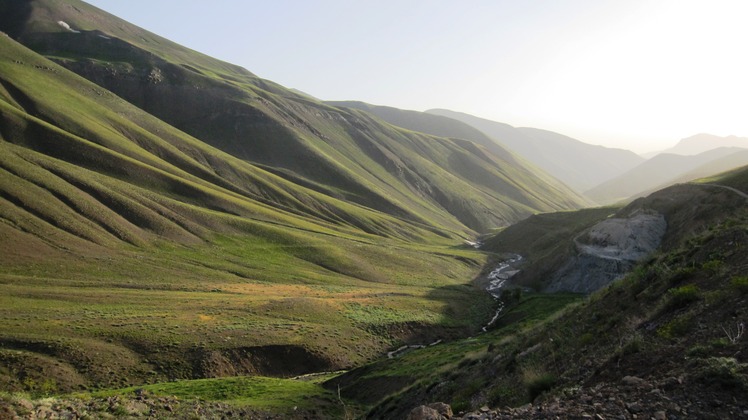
x=577, y=164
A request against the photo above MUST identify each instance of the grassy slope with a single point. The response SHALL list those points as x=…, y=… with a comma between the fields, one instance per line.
x=674, y=304
x=447, y=127
x=134, y=253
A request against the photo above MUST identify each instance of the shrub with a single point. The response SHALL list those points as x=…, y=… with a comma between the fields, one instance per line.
x=681, y=296
x=740, y=284
x=678, y=327
x=459, y=406
x=713, y=266
x=681, y=274
x=586, y=339
x=537, y=382
x=698, y=351
x=723, y=371
x=720, y=343
x=633, y=346
x=501, y=394
x=734, y=335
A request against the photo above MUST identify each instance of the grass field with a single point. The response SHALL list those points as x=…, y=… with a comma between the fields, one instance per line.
x=122, y=318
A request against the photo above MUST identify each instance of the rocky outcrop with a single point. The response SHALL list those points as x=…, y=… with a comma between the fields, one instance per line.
x=609, y=250
x=435, y=411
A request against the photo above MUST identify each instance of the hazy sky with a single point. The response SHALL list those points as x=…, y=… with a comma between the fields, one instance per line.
x=636, y=74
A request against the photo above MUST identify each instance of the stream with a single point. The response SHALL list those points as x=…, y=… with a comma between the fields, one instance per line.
x=496, y=280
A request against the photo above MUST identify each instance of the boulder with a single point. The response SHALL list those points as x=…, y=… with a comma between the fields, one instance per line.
x=425, y=413
x=444, y=409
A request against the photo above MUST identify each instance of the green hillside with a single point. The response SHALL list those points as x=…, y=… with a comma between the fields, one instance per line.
x=445, y=126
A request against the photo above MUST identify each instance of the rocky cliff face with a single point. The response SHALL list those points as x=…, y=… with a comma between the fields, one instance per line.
x=609, y=250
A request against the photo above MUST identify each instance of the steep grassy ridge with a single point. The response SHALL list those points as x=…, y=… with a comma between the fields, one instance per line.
x=340, y=153
x=443, y=126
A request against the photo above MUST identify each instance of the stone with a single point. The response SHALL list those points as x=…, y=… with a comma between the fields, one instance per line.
x=424, y=413
x=137, y=408
x=634, y=407
x=632, y=381
x=25, y=404
x=443, y=409
x=660, y=415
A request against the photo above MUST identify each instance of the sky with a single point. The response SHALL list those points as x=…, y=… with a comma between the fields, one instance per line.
x=633, y=74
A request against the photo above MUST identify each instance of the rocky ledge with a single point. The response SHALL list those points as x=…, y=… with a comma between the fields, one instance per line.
x=631, y=398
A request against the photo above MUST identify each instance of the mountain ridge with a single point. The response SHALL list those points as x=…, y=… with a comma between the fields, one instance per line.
x=703, y=142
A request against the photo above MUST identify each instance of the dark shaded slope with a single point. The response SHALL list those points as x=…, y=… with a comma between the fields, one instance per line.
x=664, y=339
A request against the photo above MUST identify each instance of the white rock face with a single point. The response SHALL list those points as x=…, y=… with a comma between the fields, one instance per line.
x=609, y=250
x=625, y=239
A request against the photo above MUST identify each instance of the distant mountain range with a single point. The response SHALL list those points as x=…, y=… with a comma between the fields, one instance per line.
x=577, y=164
x=701, y=143
x=667, y=169
x=606, y=175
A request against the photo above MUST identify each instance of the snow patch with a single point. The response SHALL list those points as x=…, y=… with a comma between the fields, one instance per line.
x=66, y=26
